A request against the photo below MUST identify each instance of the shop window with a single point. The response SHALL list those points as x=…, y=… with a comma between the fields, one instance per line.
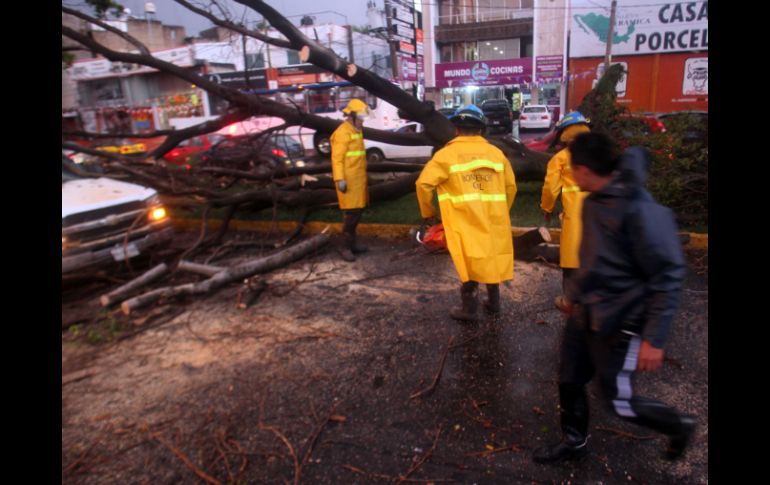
x=446, y=53
x=255, y=61
x=490, y=50
x=292, y=57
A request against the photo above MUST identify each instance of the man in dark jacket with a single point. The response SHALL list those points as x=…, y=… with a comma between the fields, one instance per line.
x=621, y=301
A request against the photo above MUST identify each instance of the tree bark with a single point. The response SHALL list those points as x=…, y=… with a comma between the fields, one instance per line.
x=123, y=291
x=204, y=269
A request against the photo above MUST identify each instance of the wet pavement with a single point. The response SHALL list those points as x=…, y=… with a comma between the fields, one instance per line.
x=324, y=369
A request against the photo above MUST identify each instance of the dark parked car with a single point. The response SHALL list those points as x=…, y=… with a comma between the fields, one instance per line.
x=693, y=124
x=499, y=115
x=249, y=152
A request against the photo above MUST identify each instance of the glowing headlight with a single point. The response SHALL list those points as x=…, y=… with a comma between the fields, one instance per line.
x=157, y=214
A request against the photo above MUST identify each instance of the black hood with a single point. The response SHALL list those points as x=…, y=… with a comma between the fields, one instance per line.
x=634, y=166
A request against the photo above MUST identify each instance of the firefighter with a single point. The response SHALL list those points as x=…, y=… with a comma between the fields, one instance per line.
x=476, y=187
x=349, y=172
x=560, y=181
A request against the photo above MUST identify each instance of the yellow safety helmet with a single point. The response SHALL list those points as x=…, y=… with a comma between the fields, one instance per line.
x=356, y=106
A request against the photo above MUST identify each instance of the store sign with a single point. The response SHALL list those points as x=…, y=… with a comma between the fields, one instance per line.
x=484, y=73
x=549, y=69
x=257, y=79
x=696, y=77
x=407, y=68
x=405, y=47
x=301, y=74
x=100, y=68
x=641, y=27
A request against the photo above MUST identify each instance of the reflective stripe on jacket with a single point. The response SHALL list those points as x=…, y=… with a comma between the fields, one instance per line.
x=559, y=181
x=349, y=164
x=476, y=188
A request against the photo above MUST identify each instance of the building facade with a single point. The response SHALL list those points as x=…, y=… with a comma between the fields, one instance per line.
x=484, y=48
x=663, y=48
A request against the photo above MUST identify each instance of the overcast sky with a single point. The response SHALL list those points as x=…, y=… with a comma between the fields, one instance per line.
x=170, y=12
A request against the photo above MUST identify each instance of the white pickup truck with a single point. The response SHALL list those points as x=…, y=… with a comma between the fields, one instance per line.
x=107, y=220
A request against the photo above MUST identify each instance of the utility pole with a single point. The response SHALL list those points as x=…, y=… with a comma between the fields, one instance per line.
x=610, y=34
x=389, y=23
x=351, y=59
x=245, y=59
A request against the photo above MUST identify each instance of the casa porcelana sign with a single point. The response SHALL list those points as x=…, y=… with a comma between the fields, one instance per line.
x=641, y=27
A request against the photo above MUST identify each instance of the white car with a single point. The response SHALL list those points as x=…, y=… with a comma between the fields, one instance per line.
x=377, y=151
x=535, y=116
x=105, y=220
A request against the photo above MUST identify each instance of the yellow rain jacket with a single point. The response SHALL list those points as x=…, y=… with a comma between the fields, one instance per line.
x=476, y=187
x=349, y=164
x=559, y=180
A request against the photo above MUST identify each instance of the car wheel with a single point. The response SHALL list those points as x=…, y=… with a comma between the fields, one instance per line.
x=374, y=155
x=322, y=144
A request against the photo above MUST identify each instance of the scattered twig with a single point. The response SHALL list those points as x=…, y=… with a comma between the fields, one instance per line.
x=313, y=439
x=392, y=479
x=513, y=448
x=625, y=433
x=79, y=460
x=283, y=438
x=200, y=473
x=422, y=460
x=437, y=377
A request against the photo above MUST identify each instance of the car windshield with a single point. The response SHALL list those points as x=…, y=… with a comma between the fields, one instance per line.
x=536, y=109
x=411, y=128
x=287, y=143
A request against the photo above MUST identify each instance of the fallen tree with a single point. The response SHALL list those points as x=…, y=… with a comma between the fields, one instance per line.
x=229, y=275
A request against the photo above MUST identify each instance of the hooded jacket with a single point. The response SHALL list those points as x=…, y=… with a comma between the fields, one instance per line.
x=632, y=265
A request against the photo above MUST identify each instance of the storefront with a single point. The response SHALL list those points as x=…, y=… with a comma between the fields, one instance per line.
x=663, y=49
x=464, y=83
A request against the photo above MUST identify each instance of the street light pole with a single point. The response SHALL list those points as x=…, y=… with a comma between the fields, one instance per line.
x=610, y=34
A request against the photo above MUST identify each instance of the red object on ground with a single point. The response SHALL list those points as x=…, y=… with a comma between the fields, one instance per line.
x=434, y=238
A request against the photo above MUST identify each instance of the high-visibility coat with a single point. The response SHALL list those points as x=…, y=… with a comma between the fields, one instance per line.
x=349, y=164
x=559, y=181
x=476, y=187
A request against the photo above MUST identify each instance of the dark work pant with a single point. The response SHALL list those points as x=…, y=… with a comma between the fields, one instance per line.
x=350, y=220
x=585, y=354
x=566, y=273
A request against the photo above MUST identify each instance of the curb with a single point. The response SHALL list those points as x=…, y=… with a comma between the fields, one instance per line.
x=696, y=240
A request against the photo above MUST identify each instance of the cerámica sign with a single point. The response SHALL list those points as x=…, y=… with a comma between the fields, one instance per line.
x=641, y=27
x=484, y=73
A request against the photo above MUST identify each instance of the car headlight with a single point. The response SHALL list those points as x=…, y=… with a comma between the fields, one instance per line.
x=157, y=214
x=299, y=163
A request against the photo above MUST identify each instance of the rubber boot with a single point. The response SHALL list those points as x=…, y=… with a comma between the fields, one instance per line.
x=574, y=426
x=492, y=303
x=470, y=303
x=356, y=247
x=344, y=248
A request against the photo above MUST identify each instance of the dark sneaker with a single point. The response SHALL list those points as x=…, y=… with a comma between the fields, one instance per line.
x=678, y=442
x=560, y=452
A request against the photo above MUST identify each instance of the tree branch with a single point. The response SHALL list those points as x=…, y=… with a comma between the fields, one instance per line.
x=235, y=27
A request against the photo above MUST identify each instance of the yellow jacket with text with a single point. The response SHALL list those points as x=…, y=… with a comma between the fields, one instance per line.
x=349, y=164
x=559, y=181
x=476, y=187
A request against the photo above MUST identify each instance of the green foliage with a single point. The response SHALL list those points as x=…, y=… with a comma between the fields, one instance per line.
x=102, y=6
